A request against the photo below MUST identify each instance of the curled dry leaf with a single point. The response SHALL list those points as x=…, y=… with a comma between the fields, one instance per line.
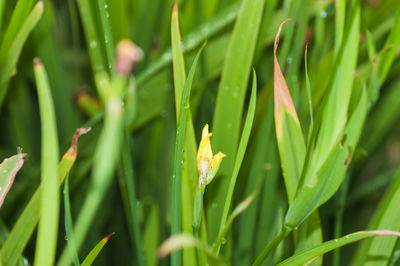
x=8, y=170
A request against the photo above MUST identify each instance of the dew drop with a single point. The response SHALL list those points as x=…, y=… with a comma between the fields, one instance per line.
x=66, y=238
x=336, y=240
x=223, y=241
x=105, y=6
x=93, y=44
x=5, y=171
x=346, y=237
x=1, y=188
x=323, y=14
x=26, y=262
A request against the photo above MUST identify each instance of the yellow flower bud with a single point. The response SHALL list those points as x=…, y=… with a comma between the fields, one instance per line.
x=207, y=164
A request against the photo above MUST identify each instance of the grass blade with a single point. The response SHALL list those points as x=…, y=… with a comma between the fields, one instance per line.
x=68, y=224
x=180, y=241
x=127, y=183
x=176, y=222
x=10, y=52
x=189, y=172
x=49, y=209
x=21, y=232
x=330, y=133
x=307, y=256
x=292, y=148
x=230, y=100
x=386, y=216
x=8, y=170
x=95, y=251
x=332, y=172
x=238, y=160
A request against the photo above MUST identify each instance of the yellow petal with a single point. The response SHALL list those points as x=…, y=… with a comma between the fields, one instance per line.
x=216, y=160
x=205, y=152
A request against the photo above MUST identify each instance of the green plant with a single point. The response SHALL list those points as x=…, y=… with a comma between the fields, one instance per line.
x=307, y=145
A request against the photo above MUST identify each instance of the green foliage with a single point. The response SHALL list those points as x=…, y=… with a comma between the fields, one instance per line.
x=312, y=142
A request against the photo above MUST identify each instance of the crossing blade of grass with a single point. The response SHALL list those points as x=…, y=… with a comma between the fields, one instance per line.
x=176, y=222
x=95, y=251
x=8, y=170
x=230, y=100
x=238, y=161
x=189, y=168
x=379, y=250
x=10, y=52
x=228, y=224
x=307, y=256
x=49, y=209
x=16, y=241
x=68, y=224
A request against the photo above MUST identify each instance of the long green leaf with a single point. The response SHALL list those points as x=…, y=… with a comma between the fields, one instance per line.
x=189, y=172
x=379, y=250
x=8, y=170
x=386, y=59
x=21, y=232
x=307, y=256
x=68, y=224
x=95, y=251
x=48, y=224
x=332, y=172
x=230, y=100
x=10, y=52
x=238, y=160
x=176, y=258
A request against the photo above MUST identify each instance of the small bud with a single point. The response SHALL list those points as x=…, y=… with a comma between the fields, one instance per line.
x=207, y=164
x=128, y=55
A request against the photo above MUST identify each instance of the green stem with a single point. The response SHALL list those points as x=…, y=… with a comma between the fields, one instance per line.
x=196, y=222
x=272, y=245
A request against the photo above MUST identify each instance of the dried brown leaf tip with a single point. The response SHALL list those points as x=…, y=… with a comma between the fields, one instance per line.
x=73, y=150
x=281, y=92
x=106, y=238
x=37, y=63
x=128, y=55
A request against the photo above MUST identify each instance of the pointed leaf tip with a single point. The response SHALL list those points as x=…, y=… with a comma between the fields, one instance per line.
x=106, y=238
x=73, y=150
x=282, y=96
